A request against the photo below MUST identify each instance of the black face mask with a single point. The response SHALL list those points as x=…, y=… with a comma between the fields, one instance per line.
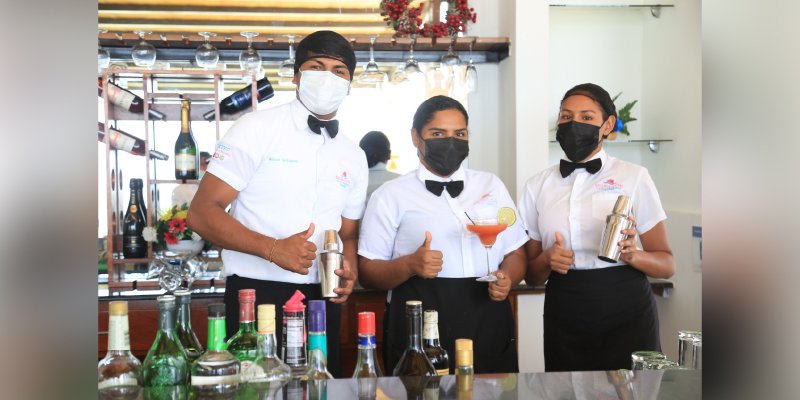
x=577, y=139
x=444, y=155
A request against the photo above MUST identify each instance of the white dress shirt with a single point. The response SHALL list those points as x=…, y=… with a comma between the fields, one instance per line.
x=378, y=175
x=400, y=211
x=287, y=177
x=577, y=206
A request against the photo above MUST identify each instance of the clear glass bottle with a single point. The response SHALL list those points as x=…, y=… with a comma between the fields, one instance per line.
x=216, y=372
x=268, y=373
x=430, y=343
x=244, y=343
x=367, y=369
x=191, y=345
x=119, y=373
x=464, y=370
x=414, y=362
x=294, y=335
x=317, y=360
x=166, y=366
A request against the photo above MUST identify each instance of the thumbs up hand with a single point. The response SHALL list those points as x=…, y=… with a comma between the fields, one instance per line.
x=295, y=253
x=558, y=258
x=424, y=262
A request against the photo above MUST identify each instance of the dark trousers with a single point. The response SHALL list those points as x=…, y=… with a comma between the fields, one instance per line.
x=271, y=292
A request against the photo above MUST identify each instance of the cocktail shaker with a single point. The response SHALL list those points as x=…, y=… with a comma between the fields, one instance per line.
x=616, y=222
x=330, y=260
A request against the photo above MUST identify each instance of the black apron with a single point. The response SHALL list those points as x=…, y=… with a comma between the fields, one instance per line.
x=465, y=311
x=272, y=292
x=594, y=319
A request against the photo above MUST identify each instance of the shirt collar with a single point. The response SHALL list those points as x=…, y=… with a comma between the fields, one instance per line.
x=379, y=167
x=300, y=116
x=600, y=154
x=423, y=174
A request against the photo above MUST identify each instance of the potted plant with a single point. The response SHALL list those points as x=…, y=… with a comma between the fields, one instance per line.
x=171, y=229
x=623, y=118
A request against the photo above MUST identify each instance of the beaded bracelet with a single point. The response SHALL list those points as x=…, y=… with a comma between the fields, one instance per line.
x=274, y=242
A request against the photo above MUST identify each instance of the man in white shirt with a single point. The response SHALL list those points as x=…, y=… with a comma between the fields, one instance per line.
x=378, y=150
x=288, y=175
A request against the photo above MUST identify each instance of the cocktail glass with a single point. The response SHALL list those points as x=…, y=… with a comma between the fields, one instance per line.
x=487, y=231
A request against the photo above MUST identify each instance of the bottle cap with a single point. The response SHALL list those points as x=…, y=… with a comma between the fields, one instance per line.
x=413, y=307
x=118, y=308
x=431, y=317
x=216, y=310
x=331, y=240
x=266, y=318
x=136, y=183
x=183, y=296
x=166, y=302
x=316, y=316
x=247, y=295
x=295, y=303
x=366, y=323
x=463, y=344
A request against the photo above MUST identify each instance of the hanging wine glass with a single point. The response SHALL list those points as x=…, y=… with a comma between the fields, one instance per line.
x=286, y=70
x=249, y=59
x=143, y=53
x=411, y=71
x=451, y=59
x=471, y=73
x=206, y=54
x=372, y=74
x=103, y=56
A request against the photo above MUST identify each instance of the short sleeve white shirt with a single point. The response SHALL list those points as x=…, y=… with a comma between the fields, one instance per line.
x=287, y=177
x=401, y=210
x=577, y=206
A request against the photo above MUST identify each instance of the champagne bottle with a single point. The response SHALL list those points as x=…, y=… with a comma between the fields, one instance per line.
x=216, y=372
x=244, y=343
x=317, y=342
x=464, y=370
x=140, y=183
x=367, y=369
x=166, y=367
x=124, y=141
x=433, y=349
x=242, y=99
x=268, y=373
x=187, y=161
x=133, y=243
x=119, y=373
x=126, y=100
x=414, y=362
x=191, y=345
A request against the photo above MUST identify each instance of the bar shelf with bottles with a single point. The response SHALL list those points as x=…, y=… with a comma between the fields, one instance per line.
x=149, y=129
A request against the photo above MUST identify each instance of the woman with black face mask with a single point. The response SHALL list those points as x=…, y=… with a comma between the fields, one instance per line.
x=596, y=313
x=414, y=242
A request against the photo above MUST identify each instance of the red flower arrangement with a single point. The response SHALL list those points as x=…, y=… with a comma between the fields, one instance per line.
x=408, y=21
x=171, y=227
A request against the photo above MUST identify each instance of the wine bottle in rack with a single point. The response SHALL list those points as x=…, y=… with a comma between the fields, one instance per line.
x=133, y=244
x=242, y=99
x=142, y=207
x=124, y=141
x=126, y=100
x=187, y=161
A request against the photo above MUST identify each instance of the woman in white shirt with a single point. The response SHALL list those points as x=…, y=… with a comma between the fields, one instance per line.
x=414, y=243
x=596, y=313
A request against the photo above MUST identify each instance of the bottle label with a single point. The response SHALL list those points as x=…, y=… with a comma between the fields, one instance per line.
x=442, y=372
x=366, y=340
x=118, y=334
x=116, y=382
x=133, y=208
x=120, y=141
x=250, y=371
x=120, y=97
x=214, y=380
x=185, y=162
x=294, y=341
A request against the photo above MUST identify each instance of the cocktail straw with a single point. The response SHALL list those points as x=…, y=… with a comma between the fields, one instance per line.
x=473, y=222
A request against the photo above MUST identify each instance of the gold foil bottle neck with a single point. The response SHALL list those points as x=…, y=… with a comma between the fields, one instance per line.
x=463, y=344
x=463, y=358
x=431, y=317
x=118, y=308
x=266, y=318
x=331, y=240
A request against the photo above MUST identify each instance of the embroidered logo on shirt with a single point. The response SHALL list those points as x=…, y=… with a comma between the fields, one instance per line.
x=282, y=159
x=222, y=152
x=487, y=200
x=344, y=180
x=609, y=184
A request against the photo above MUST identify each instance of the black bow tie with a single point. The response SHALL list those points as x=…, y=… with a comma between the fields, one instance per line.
x=453, y=187
x=591, y=166
x=331, y=126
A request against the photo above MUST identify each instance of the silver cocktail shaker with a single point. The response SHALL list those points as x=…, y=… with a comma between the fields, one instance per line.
x=616, y=222
x=330, y=260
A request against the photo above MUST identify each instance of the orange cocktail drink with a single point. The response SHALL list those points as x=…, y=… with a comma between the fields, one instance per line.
x=487, y=233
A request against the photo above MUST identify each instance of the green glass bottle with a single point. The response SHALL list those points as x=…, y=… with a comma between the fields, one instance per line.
x=216, y=372
x=191, y=345
x=187, y=161
x=166, y=367
x=244, y=344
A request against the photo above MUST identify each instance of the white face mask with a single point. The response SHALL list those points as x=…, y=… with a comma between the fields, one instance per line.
x=322, y=92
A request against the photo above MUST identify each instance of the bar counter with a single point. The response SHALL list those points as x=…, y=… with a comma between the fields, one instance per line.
x=624, y=385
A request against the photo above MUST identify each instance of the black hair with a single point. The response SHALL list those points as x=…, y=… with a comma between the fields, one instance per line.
x=596, y=93
x=433, y=105
x=377, y=148
x=327, y=44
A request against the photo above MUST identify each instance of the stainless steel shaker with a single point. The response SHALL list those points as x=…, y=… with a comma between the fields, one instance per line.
x=616, y=222
x=330, y=260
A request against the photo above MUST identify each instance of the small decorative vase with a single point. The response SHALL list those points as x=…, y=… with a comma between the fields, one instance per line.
x=187, y=247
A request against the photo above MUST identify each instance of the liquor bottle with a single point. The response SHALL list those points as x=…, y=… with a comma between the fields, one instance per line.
x=165, y=366
x=187, y=161
x=430, y=343
x=268, y=372
x=126, y=100
x=186, y=335
x=120, y=140
x=244, y=343
x=414, y=362
x=119, y=373
x=317, y=342
x=367, y=369
x=242, y=99
x=133, y=244
x=216, y=372
x=294, y=334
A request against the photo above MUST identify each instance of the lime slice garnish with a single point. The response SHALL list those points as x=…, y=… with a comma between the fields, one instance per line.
x=507, y=216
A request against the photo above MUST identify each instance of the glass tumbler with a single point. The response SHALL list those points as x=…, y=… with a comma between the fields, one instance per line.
x=638, y=358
